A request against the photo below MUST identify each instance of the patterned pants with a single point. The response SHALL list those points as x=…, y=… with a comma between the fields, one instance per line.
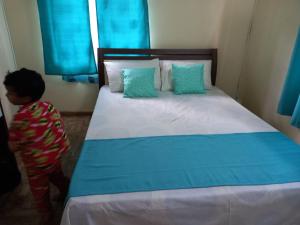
x=39, y=181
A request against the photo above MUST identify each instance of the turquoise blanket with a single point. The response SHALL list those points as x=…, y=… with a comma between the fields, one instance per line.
x=176, y=162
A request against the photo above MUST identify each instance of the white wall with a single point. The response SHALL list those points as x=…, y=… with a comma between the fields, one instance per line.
x=7, y=62
x=268, y=55
x=232, y=42
x=220, y=24
x=185, y=24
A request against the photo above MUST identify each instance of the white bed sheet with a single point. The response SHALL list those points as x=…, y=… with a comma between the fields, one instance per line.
x=215, y=112
x=169, y=114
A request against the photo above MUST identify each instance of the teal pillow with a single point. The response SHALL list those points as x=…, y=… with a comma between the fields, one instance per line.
x=139, y=82
x=188, y=79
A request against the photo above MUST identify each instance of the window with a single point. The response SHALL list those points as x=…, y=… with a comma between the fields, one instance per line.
x=73, y=29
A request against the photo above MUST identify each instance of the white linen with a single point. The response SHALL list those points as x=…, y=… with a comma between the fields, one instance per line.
x=249, y=205
x=170, y=115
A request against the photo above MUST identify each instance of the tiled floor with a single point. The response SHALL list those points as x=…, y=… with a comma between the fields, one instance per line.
x=17, y=207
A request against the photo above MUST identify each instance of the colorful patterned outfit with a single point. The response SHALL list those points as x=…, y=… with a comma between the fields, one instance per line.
x=39, y=131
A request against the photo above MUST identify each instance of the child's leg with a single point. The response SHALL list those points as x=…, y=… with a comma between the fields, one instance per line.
x=60, y=180
x=39, y=185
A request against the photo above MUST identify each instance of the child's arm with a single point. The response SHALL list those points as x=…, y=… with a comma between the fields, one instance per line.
x=17, y=138
x=14, y=146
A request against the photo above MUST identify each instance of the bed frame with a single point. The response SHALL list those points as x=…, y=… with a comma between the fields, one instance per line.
x=162, y=54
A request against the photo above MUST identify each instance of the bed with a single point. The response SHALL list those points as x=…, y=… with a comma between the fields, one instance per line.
x=181, y=159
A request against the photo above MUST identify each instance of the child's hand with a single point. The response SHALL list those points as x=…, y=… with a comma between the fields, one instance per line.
x=14, y=146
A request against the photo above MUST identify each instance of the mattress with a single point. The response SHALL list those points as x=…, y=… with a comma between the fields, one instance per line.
x=169, y=114
x=116, y=117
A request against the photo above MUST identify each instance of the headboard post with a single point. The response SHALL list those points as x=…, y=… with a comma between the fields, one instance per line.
x=214, y=66
x=162, y=54
x=101, y=73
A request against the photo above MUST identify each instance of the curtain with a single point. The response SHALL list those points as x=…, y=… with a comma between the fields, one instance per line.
x=66, y=33
x=123, y=23
x=82, y=78
x=66, y=37
x=289, y=103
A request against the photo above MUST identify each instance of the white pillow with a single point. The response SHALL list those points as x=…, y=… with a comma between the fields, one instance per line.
x=166, y=73
x=114, y=69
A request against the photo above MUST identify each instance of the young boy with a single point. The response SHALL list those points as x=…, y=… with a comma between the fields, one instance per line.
x=37, y=131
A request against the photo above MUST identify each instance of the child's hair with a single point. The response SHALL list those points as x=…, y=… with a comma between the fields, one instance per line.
x=26, y=83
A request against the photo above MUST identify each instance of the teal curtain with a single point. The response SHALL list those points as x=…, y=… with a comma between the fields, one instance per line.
x=66, y=37
x=290, y=99
x=67, y=43
x=82, y=78
x=123, y=23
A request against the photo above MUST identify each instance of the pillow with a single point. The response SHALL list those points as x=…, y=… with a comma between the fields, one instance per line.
x=139, y=82
x=114, y=69
x=188, y=79
x=166, y=73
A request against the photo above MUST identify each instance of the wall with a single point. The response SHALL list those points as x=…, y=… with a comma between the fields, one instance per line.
x=7, y=62
x=185, y=24
x=220, y=24
x=267, y=59
x=232, y=42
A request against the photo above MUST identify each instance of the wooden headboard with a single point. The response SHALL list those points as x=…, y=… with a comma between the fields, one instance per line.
x=162, y=54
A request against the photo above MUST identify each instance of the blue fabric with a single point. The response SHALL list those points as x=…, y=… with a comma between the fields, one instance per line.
x=188, y=79
x=193, y=161
x=123, y=24
x=66, y=37
x=291, y=91
x=94, y=79
x=296, y=115
x=67, y=43
x=139, y=82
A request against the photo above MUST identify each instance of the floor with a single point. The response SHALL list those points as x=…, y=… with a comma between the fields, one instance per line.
x=17, y=207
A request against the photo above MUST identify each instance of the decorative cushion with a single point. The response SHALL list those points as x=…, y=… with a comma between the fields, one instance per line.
x=166, y=72
x=139, y=82
x=188, y=79
x=114, y=68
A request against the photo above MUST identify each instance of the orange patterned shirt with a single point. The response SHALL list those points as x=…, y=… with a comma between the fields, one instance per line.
x=39, y=131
